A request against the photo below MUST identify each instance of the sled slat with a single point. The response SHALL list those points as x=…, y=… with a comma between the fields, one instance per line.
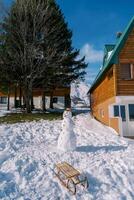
x=68, y=170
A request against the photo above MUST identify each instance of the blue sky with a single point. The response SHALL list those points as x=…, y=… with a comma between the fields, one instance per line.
x=95, y=23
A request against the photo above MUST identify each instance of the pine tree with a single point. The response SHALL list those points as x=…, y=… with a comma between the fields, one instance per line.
x=62, y=61
x=38, y=47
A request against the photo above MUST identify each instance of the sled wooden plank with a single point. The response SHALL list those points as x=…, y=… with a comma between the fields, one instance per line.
x=71, y=176
x=67, y=170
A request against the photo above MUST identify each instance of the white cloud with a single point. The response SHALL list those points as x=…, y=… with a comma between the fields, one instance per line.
x=91, y=54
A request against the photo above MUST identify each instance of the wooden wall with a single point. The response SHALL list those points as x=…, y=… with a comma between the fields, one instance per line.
x=126, y=87
x=127, y=52
x=56, y=92
x=114, y=123
x=38, y=92
x=104, y=95
x=104, y=90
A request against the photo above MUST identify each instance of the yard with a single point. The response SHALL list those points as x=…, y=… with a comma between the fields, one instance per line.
x=28, y=155
x=23, y=117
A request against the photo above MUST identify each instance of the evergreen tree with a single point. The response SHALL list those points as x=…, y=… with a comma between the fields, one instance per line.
x=21, y=30
x=62, y=61
x=38, y=47
x=61, y=58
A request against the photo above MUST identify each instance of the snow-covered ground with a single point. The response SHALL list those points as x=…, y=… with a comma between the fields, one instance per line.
x=28, y=154
x=4, y=112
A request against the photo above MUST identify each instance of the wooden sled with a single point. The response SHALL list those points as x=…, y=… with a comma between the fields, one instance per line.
x=70, y=177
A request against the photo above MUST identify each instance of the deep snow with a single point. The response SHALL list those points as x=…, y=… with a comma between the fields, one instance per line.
x=28, y=154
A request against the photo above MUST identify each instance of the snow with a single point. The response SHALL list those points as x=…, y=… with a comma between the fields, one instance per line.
x=4, y=112
x=28, y=153
x=109, y=54
x=67, y=139
x=79, y=90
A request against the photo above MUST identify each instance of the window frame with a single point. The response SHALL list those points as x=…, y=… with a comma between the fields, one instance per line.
x=130, y=119
x=55, y=100
x=116, y=106
x=5, y=100
x=120, y=112
x=131, y=70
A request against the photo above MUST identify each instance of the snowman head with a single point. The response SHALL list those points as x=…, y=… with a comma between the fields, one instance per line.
x=68, y=109
x=67, y=113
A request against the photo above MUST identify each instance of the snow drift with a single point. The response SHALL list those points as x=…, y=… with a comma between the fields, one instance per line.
x=79, y=92
x=28, y=155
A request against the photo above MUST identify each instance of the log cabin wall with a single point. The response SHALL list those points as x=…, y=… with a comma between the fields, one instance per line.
x=38, y=92
x=126, y=56
x=56, y=92
x=104, y=95
x=105, y=89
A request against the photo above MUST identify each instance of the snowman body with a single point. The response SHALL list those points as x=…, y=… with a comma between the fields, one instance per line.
x=67, y=139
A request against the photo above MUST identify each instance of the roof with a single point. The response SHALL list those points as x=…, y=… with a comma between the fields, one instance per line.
x=113, y=58
x=107, y=49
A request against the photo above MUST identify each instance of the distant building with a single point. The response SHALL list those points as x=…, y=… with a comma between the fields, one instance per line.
x=60, y=98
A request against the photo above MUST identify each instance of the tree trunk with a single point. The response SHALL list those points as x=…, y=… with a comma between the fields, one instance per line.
x=15, y=96
x=32, y=102
x=67, y=101
x=51, y=102
x=43, y=102
x=27, y=97
x=20, y=97
x=8, y=100
x=28, y=106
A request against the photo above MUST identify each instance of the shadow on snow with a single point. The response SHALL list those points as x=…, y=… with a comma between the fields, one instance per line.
x=91, y=148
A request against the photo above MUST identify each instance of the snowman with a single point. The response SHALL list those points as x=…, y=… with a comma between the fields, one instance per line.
x=67, y=139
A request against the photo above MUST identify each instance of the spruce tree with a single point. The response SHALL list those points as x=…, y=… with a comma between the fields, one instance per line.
x=62, y=61
x=61, y=57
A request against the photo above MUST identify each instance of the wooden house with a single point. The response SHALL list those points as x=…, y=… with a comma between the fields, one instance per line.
x=58, y=98
x=112, y=92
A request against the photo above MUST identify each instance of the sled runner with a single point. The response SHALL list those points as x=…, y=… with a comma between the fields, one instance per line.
x=70, y=177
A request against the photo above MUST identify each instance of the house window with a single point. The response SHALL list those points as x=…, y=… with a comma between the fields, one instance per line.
x=119, y=111
x=127, y=71
x=131, y=112
x=3, y=100
x=116, y=111
x=55, y=99
x=123, y=113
